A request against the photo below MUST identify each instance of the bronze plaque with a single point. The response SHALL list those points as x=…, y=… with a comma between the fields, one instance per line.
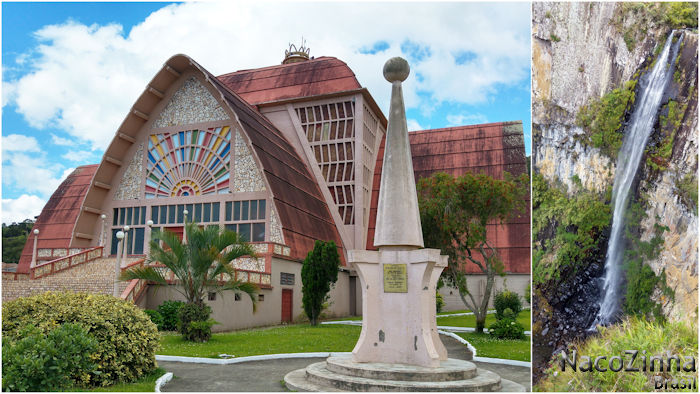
x=395, y=278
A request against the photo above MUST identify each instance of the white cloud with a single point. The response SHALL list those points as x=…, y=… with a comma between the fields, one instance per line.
x=24, y=207
x=413, y=125
x=80, y=156
x=461, y=119
x=32, y=173
x=83, y=79
x=56, y=140
x=19, y=143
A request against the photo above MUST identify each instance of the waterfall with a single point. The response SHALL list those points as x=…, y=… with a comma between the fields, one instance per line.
x=637, y=132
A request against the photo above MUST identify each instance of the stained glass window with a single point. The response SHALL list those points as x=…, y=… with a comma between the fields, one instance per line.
x=188, y=163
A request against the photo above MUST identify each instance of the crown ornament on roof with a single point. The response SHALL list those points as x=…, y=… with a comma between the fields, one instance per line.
x=295, y=55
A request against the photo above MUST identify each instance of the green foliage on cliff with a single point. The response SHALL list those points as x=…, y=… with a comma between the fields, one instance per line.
x=658, y=155
x=566, y=229
x=641, y=279
x=655, y=338
x=687, y=189
x=682, y=14
x=602, y=118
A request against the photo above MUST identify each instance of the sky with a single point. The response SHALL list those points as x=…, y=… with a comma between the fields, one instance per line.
x=71, y=71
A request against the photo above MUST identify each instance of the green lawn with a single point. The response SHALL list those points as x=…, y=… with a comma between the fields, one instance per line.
x=145, y=384
x=470, y=320
x=487, y=346
x=281, y=339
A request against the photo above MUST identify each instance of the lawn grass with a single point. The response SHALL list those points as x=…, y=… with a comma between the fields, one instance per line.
x=280, y=339
x=488, y=346
x=145, y=384
x=470, y=320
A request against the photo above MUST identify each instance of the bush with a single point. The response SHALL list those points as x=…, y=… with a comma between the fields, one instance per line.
x=507, y=300
x=156, y=318
x=34, y=361
x=439, y=302
x=127, y=339
x=169, y=310
x=195, y=324
x=506, y=328
x=319, y=272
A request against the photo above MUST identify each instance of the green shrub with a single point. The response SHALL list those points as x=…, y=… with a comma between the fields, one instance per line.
x=602, y=118
x=507, y=300
x=318, y=274
x=439, y=302
x=156, y=318
x=127, y=339
x=195, y=324
x=34, y=361
x=682, y=14
x=688, y=191
x=507, y=329
x=170, y=310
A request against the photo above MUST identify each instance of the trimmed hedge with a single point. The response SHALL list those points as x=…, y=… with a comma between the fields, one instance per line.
x=170, y=311
x=507, y=299
x=127, y=339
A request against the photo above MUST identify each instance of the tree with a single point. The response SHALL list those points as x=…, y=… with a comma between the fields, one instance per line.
x=319, y=272
x=197, y=264
x=454, y=214
x=14, y=237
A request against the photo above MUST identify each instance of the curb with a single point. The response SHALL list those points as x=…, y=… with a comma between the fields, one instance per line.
x=217, y=361
x=163, y=380
x=460, y=340
x=515, y=363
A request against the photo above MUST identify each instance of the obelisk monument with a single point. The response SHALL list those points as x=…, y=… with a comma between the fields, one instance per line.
x=399, y=280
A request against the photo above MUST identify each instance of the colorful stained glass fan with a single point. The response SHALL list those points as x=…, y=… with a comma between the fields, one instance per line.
x=188, y=163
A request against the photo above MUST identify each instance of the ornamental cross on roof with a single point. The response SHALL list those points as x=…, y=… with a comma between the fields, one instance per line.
x=295, y=55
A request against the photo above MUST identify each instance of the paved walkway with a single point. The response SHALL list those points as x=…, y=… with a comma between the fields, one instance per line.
x=268, y=375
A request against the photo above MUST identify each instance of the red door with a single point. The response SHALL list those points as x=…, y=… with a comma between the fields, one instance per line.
x=287, y=305
x=175, y=230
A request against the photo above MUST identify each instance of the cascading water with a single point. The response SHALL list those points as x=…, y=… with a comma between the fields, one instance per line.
x=637, y=133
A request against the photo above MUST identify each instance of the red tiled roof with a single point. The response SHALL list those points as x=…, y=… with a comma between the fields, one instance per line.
x=57, y=219
x=488, y=148
x=320, y=76
x=303, y=212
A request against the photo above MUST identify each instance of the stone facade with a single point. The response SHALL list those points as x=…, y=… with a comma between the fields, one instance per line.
x=249, y=264
x=192, y=103
x=246, y=175
x=275, y=228
x=130, y=185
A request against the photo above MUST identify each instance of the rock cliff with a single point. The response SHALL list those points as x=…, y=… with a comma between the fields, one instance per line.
x=581, y=51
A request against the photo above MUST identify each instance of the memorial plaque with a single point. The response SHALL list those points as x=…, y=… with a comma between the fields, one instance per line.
x=395, y=278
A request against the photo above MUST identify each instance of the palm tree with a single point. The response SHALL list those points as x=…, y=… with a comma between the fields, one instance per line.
x=197, y=264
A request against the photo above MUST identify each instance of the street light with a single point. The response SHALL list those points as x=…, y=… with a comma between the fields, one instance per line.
x=36, y=237
x=126, y=241
x=102, y=233
x=147, y=248
x=184, y=231
x=117, y=265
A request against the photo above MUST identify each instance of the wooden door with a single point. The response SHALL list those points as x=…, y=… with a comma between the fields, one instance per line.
x=287, y=305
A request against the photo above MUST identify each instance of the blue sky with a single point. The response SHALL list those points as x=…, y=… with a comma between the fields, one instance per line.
x=71, y=71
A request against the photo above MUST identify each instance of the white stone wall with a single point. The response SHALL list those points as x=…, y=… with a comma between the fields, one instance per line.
x=246, y=175
x=192, y=103
x=275, y=228
x=130, y=185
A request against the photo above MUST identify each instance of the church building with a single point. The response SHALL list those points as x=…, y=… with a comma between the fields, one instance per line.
x=284, y=155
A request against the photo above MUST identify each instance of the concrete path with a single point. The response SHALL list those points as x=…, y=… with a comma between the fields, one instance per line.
x=268, y=375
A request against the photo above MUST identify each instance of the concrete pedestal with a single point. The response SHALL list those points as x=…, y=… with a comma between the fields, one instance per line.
x=398, y=327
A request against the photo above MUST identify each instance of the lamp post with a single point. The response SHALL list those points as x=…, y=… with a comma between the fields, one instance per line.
x=126, y=242
x=184, y=231
x=147, y=247
x=117, y=265
x=102, y=233
x=36, y=237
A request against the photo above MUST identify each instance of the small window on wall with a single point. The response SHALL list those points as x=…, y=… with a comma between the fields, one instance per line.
x=261, y=297
x=237, y=297
x=286, y=279
x=212, y=296
x=258, y=232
